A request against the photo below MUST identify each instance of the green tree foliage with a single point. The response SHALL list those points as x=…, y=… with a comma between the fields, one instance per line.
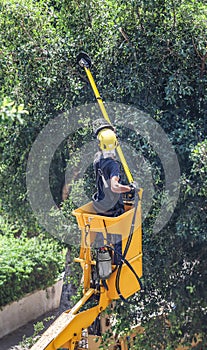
x=28, y=264
x=150, y=54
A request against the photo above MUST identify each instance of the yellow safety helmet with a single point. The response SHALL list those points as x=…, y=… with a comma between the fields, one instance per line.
x=107, y=139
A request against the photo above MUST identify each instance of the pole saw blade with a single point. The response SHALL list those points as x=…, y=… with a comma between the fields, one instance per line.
x=83, y=60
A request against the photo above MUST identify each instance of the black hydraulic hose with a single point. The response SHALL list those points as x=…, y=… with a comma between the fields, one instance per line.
x=123, y=257
x=124, y=260
x=132, y=225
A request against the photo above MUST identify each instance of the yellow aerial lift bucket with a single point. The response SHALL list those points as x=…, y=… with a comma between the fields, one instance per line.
x=113, y=229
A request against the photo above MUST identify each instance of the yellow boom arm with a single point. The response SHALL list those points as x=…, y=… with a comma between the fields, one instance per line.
x=66, y=331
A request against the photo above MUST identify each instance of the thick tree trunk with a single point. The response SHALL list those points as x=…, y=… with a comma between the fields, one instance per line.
x=68, y=289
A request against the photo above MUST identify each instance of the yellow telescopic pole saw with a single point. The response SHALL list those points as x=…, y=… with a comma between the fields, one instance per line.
x=84, y=61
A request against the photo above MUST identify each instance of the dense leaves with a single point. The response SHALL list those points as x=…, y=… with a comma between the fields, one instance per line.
x=27, y=265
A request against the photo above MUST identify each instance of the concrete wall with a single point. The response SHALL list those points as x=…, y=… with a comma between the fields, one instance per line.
x=29, y=308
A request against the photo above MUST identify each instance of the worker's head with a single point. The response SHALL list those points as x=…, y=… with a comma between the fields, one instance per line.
x=107, y=138
x=107, y=142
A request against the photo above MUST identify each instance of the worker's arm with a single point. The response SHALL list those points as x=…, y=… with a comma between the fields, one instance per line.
x=117, y=187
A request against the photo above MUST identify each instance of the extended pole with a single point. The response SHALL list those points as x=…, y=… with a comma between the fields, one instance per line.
x=85, y=62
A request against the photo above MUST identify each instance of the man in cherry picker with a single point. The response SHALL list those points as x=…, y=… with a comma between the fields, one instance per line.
x=108, y=200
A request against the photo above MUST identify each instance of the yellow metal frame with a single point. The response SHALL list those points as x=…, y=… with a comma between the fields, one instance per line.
x=87, y=218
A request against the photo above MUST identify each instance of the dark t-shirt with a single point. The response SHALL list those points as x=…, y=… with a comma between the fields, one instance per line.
x=105, y=201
